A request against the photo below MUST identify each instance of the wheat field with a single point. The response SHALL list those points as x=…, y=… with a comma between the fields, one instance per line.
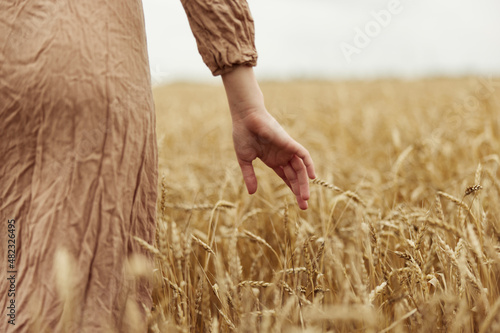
x=402, y=233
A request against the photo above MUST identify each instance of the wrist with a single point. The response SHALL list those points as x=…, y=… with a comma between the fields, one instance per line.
x=243, y=92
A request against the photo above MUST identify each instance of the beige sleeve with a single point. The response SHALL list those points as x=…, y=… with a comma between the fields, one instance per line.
x=224, y=32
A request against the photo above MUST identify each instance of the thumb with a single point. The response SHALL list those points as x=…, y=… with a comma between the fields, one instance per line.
x=248, y=176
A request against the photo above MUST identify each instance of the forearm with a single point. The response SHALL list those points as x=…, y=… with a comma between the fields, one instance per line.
x=243, y=92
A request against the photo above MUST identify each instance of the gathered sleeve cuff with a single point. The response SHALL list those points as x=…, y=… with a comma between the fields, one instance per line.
x=224, y=32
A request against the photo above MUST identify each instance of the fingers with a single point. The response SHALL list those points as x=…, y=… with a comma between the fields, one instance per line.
x=296, y=174
x=302, y=203
x=306, y=158
x=299, y=167
x=248, y=176
x=279, y=171
x=295, y=183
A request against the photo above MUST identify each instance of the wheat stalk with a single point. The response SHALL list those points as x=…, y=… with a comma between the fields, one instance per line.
x=203, y=244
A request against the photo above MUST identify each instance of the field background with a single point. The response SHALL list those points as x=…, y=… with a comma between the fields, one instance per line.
x=390, y=242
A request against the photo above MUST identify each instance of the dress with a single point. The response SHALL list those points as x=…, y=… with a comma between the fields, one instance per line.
x=79, y=154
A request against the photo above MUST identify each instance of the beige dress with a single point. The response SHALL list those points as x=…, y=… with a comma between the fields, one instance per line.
x=79, y=167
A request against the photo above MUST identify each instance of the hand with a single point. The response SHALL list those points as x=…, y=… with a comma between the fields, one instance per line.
x=260, y=135
x=256, y=134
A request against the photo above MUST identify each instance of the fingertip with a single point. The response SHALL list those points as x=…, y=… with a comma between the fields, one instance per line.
x=249, y=177
x=251, y=188
x=251, y=183
x=304, y=191
x=301, y=202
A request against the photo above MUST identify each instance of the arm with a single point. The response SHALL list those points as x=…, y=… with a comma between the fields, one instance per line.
x=224, y=33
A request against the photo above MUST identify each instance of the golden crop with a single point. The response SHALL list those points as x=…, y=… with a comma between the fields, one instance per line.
x=402, y=233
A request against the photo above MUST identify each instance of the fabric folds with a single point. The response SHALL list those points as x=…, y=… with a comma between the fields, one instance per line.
x=79, y=169
x=79, y=164
x=224, y=32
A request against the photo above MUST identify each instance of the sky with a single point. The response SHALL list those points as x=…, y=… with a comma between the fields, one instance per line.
x=341, y=39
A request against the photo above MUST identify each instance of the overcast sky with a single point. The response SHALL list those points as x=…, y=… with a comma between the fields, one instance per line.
x=341, y=39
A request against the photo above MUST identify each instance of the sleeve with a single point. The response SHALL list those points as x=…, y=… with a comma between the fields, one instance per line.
x=224, y=33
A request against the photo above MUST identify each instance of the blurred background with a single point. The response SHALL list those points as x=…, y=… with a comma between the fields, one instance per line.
x=341, y=39
x=386, y=243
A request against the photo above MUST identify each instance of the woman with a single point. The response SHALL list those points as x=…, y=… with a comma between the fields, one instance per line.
x=78, y=142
